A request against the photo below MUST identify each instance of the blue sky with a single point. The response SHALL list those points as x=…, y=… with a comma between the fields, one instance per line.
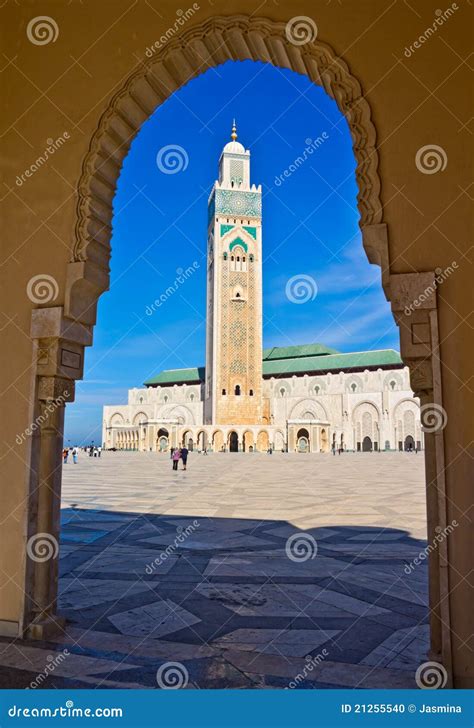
x=310, y=228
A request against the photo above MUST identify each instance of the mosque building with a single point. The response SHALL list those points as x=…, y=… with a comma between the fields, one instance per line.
x=308, y=398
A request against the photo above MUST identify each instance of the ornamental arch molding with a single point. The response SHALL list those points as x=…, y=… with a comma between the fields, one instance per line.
x=69, y=329
x=204, y=46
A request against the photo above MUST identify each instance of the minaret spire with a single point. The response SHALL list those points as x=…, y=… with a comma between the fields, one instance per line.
x=233, y=136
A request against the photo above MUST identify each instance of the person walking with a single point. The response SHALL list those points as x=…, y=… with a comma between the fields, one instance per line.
x=74, y=455
x=99, y=450
x=184, y=456
x=65, y=455
x=176, y=456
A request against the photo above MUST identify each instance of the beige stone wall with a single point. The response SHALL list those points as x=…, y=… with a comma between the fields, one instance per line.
x=66, y=87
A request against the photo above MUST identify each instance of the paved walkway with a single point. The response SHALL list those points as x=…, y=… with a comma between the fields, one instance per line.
x=247, y=571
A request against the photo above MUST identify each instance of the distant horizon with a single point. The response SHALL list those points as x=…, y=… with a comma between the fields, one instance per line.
x=153, y=316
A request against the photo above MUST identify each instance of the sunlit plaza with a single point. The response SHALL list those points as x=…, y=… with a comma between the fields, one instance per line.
x=244, y=571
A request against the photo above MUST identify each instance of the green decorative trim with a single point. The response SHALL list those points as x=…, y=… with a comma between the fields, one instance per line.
x=238, y=203
x=238, y=241
x=251, y=231
x=226, y=228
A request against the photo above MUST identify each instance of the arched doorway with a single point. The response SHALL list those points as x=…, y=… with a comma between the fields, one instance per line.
x=366, y=444
x=81, y=294
x=409, y=443
x=324, y=440
x=162, y=439
x=233, y=442
x=248, y=441
x=302, y=440
x=217, y=441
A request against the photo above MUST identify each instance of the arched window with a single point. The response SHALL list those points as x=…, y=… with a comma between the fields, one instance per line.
x=353, y=386
x=191, y=397
x=165, y=398
x=224, y=392
x=393, y=384
x=251, y=392
x=237, y=295
x=225, y=256
x=282, y=392
x=317, y=389
x=237, y=389
x=251, y=258
x=141, y=400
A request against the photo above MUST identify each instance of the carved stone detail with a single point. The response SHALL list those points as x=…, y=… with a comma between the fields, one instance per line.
x=213, y=42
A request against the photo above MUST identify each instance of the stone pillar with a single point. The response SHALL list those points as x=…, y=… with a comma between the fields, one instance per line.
x=416, y=315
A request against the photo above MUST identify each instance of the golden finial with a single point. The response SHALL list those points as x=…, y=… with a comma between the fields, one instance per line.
x=233, y=136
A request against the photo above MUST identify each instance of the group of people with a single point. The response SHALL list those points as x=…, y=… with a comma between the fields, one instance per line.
x=89, y=450
x=177, y=454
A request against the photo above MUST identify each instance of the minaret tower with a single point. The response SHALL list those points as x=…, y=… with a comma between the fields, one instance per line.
x=233, y=392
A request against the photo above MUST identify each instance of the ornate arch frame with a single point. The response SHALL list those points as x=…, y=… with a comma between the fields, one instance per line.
x=60, y=333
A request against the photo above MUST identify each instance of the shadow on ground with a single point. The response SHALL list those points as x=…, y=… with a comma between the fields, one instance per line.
x=237, y=603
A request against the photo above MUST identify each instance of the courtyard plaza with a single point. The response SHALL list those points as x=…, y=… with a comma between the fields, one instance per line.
x=248, y=570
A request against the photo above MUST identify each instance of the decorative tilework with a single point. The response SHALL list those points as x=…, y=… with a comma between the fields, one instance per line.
x=231, y=202
x=251, y=231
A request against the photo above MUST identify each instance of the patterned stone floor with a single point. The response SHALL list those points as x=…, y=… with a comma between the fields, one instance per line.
x=246, y=571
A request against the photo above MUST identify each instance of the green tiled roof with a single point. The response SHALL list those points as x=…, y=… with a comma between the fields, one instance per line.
x=295, y=352
x=332, y=362
x=275, y=364
x=178, y=376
